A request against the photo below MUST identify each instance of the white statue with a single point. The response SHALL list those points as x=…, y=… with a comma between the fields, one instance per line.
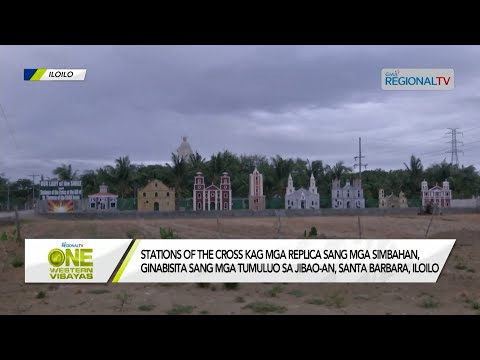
x=184, y=150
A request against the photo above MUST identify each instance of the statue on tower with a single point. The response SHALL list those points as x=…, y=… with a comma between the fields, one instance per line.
x=184, y=150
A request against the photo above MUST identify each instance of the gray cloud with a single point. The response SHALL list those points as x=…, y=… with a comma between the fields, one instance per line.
x=305, y=101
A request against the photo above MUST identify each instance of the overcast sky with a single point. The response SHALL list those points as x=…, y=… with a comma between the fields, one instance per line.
x=296, y=101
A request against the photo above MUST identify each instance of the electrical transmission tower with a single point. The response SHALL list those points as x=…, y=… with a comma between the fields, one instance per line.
x=359, y=159
x=454, y=151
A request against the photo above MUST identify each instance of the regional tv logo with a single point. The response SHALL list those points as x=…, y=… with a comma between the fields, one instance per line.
x=72, y=261
x=418, y=79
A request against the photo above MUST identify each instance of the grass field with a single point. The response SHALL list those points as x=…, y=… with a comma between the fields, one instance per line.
x=456, y=292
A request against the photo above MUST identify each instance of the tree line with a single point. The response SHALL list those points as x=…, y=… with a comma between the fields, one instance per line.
x=125, y=178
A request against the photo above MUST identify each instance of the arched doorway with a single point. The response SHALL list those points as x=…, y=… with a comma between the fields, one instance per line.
x=212, y=205
x=156, y=206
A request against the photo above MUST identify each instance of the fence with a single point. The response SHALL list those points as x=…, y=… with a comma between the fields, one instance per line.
x=186, y=204
x=127, y=204
x=20, y=205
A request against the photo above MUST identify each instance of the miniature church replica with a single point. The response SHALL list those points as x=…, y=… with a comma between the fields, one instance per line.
x=302, y=198
x=391, y=201
x=349, y=196
x=440, y=196
x=156, y=196
x=212, y=197
x=103, y=200
x=256, y=199
x=184, y=151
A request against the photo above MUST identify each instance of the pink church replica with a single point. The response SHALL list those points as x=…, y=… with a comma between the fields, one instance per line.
x=212, y=197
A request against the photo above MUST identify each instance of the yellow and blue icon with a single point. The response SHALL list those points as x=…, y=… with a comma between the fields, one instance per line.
x=54, y=74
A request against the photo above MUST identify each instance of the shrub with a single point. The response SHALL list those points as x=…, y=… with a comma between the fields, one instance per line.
x=167, y=233
x=17, y=262
x=231, y=286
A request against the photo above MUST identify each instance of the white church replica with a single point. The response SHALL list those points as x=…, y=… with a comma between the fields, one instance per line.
x=302, y=198
x=103, y=200
x=348, y=196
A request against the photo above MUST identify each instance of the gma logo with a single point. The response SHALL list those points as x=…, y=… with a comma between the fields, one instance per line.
x=78, y=257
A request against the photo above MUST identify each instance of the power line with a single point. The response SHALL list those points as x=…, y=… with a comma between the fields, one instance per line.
x=454, y=151
x=359, y=159
x=476, y=127
x=8, y=126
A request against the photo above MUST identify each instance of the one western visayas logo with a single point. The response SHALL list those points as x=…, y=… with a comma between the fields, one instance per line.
x=73, y=261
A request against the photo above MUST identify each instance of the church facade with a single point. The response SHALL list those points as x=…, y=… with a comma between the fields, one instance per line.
x=103, y=200
x=440, y=196
x=212, y=197
x=391, y=201
x=156, y=196
x=302, y=198
x=349, y=196
x=256, y=199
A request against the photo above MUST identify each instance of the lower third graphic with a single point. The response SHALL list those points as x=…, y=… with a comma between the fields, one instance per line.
x=54, y=74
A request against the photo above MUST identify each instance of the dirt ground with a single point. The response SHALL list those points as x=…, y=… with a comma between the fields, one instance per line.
x=456, y=292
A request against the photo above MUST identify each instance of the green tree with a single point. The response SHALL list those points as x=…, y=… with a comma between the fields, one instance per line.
x=65, y=172
x=415, y=174
x=339, y=170
x=123, y=174
x=179, y=172
x=282, y=168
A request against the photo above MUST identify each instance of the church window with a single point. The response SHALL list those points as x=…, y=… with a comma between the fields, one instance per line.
x=338, y=194
x=144, y=195
x=212, y=194
x=199, y=195
x=168, y=194
x=92, y=205
x=156, y=194
x=225, y=195
x=313, y=203
x=199, y=205
x=155, y=184
x=225, y=205
x=348, y=193
x=358, y=193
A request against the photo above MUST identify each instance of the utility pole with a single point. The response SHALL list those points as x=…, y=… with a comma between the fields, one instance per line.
x=454, y=158
x=359, y=159
x=8, y=195
x=33, y=189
